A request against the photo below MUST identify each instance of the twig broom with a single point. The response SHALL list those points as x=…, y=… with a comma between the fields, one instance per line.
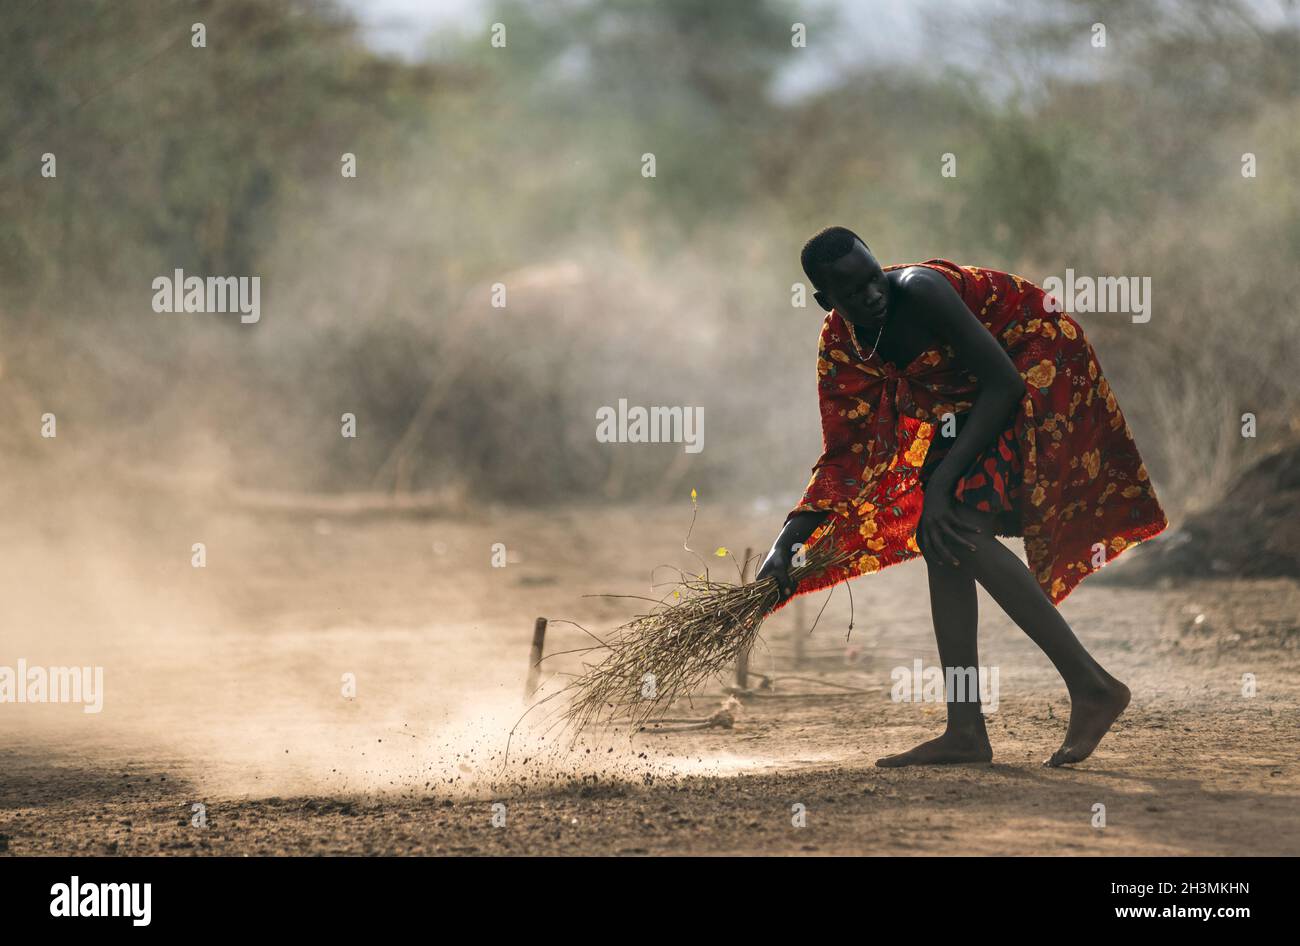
x=670, y=652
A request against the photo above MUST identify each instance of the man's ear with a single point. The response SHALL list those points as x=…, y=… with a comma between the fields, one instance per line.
x=822, y=300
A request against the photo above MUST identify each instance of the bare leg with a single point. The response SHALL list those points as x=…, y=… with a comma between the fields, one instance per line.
x=955, y=611
x=1096, y=698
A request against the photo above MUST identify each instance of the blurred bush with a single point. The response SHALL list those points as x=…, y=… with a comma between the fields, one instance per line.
x=522, y=166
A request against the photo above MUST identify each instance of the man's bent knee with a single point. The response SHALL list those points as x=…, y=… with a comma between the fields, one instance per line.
x=985, y=522
x=934, y=559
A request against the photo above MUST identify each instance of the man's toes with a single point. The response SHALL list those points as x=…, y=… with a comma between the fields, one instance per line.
x=902, y=759
x=1061, y=756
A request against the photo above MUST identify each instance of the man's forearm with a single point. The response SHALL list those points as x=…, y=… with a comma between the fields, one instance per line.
x=798, y=528
x=987, y=418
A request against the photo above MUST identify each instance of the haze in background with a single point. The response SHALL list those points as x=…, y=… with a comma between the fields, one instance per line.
x=522, y=167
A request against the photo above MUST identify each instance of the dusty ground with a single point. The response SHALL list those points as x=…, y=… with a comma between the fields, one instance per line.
x=223, y=689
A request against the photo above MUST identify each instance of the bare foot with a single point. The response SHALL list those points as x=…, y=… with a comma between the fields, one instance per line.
x=1090, y=718
x=949, y=749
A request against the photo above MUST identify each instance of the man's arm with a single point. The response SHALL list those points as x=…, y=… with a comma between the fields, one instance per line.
x=1000, y=389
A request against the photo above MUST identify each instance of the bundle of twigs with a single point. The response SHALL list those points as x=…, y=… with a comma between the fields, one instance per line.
x=670, y=652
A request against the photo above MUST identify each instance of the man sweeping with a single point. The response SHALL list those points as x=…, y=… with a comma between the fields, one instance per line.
x=959, y=404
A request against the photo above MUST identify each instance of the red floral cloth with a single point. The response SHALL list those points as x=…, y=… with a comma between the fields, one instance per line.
x=991, y=483
x=1065, y=473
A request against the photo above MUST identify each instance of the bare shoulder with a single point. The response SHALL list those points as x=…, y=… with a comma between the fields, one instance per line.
x=930, y=297
x=932, y=301
x=922, y=281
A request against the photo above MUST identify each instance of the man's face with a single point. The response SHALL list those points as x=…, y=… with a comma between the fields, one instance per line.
x=856, y=287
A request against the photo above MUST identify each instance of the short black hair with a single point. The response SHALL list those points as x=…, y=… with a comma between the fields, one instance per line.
x=826, y=247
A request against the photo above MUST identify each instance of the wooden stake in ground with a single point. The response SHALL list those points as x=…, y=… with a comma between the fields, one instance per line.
x=800, y=630
x=535, y=658
x=742, y=655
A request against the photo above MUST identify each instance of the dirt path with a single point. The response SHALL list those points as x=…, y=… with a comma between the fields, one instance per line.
x=223, y=690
